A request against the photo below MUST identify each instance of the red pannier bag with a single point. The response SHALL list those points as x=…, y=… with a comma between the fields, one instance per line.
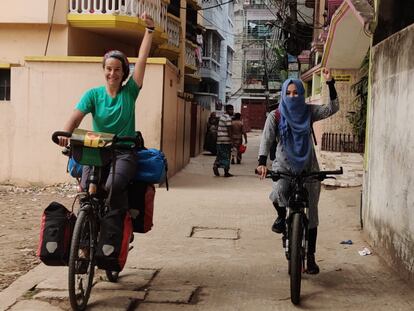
x=141, y=205
x=55, y=235
x=113, y=241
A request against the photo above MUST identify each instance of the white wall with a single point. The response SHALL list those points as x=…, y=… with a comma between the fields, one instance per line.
x=389, y=182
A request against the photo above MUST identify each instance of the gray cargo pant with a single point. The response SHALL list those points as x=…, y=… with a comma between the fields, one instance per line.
x=125, y=169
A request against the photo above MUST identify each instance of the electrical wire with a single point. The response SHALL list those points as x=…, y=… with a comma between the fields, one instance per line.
x=207, y=8
x=50, y=27
x=212, y=23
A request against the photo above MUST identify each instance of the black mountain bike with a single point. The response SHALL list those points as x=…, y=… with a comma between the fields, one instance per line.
x=295, y=237
x=92, y=208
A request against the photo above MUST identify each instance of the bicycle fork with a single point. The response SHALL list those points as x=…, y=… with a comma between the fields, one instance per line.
x=288, y=232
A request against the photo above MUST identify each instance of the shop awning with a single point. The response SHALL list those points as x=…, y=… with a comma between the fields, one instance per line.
x=348, y=37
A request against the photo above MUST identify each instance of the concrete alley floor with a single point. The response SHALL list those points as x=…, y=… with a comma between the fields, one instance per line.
x=211, y=248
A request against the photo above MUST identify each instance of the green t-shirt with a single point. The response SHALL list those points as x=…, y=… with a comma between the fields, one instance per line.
x=112, y=115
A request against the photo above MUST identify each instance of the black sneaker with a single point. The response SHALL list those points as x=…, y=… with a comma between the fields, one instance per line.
x=216, y=171
x=227, y=174
x=311, y=266
x=279, y=225
x=81, y=266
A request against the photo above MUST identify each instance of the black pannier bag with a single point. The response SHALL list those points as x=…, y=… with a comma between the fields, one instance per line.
x=55, y=235
x=113, y=242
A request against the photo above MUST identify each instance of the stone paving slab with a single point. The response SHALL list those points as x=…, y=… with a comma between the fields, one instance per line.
x=180, y=294
x=117, y=301
x=52, y=294
x=34, y=305
x=57, y=281
x=129, y=279
x=215, y=233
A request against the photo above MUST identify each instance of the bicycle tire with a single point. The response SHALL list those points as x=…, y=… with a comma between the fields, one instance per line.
x=78, y=295
x=112, y=276
x=295, y=262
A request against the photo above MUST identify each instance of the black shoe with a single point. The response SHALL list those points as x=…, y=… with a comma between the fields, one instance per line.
x=232, y=161
x=311, y=266
x=227, y=174
x=238, y=161
x=81, y=266
x=216, y=171
x=279, y=225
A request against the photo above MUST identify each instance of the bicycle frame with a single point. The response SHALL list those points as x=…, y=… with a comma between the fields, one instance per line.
x=295, y=237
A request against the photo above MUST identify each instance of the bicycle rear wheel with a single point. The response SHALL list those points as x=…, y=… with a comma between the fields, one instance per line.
x=81, y=262
x=295, y=263
x=112, y=276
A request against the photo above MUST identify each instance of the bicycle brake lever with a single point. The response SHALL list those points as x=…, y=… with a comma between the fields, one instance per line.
x=330, y=177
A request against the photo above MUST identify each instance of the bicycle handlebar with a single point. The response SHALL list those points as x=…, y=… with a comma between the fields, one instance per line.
x=125, y=139
x=319, y=175
x=56, y=134
x=116, y=140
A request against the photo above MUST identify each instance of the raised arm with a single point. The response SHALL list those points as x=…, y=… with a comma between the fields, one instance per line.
x=144, y=50
x=320, y=112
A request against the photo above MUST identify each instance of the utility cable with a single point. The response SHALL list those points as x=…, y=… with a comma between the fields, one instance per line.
x=209, y=7
x=50, y=27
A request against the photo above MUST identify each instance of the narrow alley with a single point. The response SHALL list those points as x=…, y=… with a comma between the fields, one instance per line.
x=211, y=248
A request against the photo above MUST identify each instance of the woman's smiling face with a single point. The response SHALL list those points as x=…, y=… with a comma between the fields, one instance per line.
x=113, y=72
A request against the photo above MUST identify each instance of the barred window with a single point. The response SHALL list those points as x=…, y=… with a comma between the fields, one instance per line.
x=4, y=84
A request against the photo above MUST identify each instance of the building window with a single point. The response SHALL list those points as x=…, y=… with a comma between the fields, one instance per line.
x=257, y=29
x=4, y=84
x=229, y=60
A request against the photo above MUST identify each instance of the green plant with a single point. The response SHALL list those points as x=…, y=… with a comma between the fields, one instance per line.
x=360, y=88
x=277, y=65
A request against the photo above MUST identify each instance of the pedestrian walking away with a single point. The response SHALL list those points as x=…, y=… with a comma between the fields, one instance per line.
x=238, y=133
x=210, y=140
x=290, y=126
x=224, y=143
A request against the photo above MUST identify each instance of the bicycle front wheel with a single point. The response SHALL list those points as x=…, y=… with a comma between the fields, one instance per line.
x=81, y=263
x=295, y=263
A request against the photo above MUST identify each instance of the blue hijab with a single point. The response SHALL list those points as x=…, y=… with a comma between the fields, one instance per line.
x=294, y=126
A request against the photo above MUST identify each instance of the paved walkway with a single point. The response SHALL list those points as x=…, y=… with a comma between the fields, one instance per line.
x=212, y=249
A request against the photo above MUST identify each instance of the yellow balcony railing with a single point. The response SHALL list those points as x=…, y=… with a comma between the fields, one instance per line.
x=173, y=30
x=156, y=8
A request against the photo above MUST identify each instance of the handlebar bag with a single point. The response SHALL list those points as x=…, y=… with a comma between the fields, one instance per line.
x=55, y=235
x=141, y=205
x=91, y=148
x=113, y=242
x=151, y=166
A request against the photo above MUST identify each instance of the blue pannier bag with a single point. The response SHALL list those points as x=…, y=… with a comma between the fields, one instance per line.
x=151, y=166
x=74, y=168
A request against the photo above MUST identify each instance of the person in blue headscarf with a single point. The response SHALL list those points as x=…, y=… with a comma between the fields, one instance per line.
x=289, y=127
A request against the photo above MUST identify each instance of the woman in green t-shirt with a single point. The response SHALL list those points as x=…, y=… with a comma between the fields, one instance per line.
x=113, y=111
